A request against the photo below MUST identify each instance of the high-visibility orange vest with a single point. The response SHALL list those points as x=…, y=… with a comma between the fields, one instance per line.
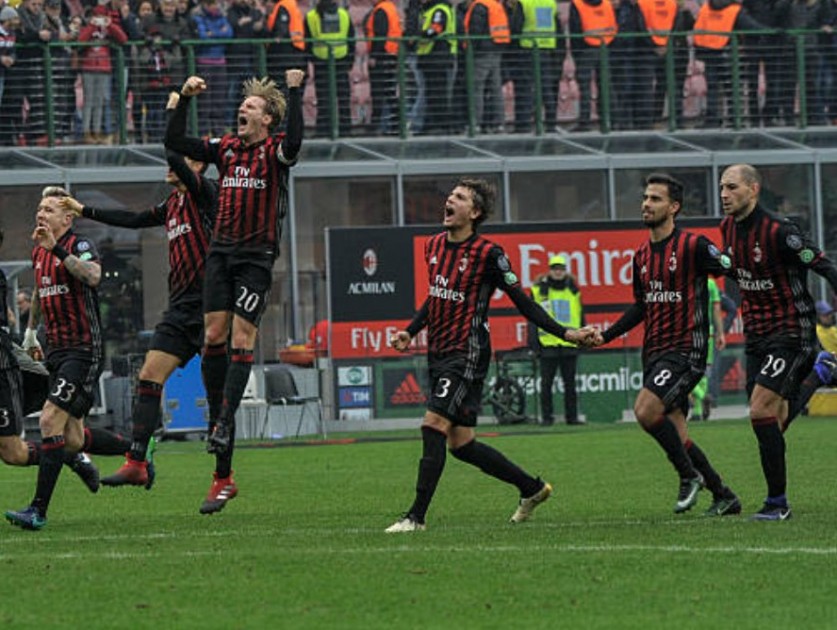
x=297, y=30
x=659, y=18
x=498, y=21
x=393, y=25
x=710, y=20
x=599, y=21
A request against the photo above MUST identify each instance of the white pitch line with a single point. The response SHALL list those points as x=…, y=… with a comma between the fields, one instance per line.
x=419, y=547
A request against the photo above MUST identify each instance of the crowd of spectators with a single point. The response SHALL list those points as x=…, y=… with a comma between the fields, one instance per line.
x=112, y=63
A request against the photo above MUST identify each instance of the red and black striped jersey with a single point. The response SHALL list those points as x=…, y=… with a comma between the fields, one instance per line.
x=188, y=229
x=461, y=279
x=253, y=196
x=70, y=308
x=671, y=289
x=771, y=258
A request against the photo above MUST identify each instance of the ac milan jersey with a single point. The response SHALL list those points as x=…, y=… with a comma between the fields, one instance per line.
x=462, y=277
x=188, y=229
x=771, y=258
x=253, y=198
x=670, y=286
x=69, y=307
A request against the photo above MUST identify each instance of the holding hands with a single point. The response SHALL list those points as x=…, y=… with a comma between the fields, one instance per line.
x=589, y=336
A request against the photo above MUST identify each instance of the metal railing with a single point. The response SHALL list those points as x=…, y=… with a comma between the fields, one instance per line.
x=760, y=78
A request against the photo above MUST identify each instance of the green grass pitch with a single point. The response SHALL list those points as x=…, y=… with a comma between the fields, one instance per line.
x=303, y=544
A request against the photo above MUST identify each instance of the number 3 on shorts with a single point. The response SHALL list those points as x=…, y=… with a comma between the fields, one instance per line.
x=442, y=388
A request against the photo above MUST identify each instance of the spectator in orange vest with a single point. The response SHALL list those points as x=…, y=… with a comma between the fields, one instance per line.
x=287, y=48
x=486, y=21
x=382, y=27
x=715, y=24
x=596, y=21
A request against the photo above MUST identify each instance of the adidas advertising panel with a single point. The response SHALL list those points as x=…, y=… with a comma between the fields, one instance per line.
x=378, y=279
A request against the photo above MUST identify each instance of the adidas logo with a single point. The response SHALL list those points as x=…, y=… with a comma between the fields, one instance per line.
x=408, y=392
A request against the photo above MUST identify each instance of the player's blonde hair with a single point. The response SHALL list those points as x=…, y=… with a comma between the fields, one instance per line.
x=54, y=191
x=273, y=98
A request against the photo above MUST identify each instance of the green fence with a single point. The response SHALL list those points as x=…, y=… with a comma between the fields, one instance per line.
x=801, y=67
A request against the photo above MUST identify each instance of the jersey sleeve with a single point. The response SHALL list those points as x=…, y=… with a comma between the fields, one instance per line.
x=711, y=259
x=85, y=250
x=500, y=271
x=796, y=247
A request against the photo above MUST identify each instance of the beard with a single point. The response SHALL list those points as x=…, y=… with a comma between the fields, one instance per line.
x=654, y=222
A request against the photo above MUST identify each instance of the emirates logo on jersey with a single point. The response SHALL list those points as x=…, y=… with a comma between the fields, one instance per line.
x=370, y=262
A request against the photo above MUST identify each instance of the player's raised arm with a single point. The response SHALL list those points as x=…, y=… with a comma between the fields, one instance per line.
x=176, y=138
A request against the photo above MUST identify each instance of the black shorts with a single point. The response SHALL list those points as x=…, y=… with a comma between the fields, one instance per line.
x=671, y=377
x=11, y=402
x=73, y=377
x=779, y=364
x=456, y=388
x=180, y=333
x=239, y=283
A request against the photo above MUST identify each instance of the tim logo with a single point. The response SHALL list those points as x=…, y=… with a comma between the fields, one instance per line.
x=370, y=262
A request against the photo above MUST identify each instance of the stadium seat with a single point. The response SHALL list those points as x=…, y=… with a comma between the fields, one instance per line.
x=280, y=389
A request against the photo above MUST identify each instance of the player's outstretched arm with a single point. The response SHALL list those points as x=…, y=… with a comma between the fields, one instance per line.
x=119, y=218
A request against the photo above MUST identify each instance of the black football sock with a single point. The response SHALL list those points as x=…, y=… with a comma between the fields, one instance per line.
x=772, y=452
x=146, y=418
x=49, y=468
x=238, y=373
x=668, y=438
x=223, y=461
x=104, y=442
x=431, y=465
x=796, y=404
x=214, y=372
x=493, y=462
x=701, y=463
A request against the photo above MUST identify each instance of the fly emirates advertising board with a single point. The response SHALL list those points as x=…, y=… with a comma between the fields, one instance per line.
x=378, y=278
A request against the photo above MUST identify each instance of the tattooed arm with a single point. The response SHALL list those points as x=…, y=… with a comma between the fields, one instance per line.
x=88, y=271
